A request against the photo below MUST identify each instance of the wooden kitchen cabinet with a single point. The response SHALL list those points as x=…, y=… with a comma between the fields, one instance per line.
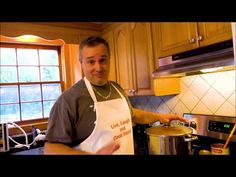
x=123, y=57
x=166, y=86
x=72, y=66
x=142, y=58
x=214, y=32
x=110, y=39
x=172, y=38
x=134, y=58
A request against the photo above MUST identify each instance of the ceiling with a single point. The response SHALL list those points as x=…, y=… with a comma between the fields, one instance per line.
x=78, y=25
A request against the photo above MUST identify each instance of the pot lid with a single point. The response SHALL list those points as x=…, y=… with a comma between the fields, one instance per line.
x=169, y=130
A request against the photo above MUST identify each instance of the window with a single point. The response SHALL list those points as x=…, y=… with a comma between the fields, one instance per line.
x=30, y=81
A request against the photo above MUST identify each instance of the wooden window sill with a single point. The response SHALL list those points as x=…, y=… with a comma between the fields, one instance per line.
x=27, y=126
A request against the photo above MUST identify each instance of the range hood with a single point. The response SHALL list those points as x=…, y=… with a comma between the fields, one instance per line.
x=191, y=62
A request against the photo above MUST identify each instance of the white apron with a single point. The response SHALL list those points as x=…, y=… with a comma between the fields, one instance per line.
x=113, y=123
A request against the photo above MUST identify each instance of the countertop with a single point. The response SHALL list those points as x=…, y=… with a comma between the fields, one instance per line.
x=34, y=151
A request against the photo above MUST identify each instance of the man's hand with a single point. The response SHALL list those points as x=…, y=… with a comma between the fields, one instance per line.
x=145, y=117
x=166, y=118
x=109, y=148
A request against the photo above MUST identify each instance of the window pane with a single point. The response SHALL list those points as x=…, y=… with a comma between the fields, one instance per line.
x=7, y=56
x=9, y=112
x=47, y=105
x=51, y=91
x=30, y=93
x=20, y=99
x=8, y=74
x=8, y=94
x=48, y=57
x=27, y=56
x=50, y=74
x=31, y=110
x=29, y=74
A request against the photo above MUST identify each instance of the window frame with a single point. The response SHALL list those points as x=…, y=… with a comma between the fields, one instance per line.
x=38, y=43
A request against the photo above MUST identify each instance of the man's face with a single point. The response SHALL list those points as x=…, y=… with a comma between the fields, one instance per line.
x=95, y=64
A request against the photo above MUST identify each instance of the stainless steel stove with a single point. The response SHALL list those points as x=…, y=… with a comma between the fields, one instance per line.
x=211, y=129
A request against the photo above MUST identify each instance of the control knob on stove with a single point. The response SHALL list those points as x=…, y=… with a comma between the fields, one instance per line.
x=193, y=124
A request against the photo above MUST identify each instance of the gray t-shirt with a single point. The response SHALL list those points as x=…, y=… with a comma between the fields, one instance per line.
x=72, y=117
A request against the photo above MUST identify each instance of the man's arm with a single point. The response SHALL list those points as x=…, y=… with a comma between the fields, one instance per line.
x=145, y=117
x=62, y=149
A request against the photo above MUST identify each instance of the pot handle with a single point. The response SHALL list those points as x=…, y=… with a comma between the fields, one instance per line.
x=190, y=138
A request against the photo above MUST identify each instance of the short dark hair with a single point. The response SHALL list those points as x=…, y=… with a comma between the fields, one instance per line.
x=91, y=42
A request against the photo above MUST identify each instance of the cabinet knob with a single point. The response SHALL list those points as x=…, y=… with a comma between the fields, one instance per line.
x=192, y=40
x=132, y=91
x=200, y=38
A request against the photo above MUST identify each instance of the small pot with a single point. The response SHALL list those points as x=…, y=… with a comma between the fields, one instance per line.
x=217, y=149
x=170, y=140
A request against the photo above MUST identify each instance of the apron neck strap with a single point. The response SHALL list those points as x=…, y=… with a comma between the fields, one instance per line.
x=90, y=89
x=91, y=92
x=121, y=95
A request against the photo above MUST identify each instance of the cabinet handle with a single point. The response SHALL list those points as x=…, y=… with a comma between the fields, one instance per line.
x=132, y=91
x=200, y=38
x=192, y=40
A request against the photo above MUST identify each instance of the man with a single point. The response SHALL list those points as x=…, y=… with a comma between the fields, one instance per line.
x=95, y=116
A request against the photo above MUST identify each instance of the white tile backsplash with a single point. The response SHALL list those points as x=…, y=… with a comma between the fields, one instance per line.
x=190, y=99
x=183, y=89
x=199, y=87
x=201, y=108
x=188, y=80
x=226, y=109
x=212, y=94
x=213, y=100
x=171, y=101
x=225, y=85
x=231, y=73
x=210, y=78
x=180, y=108
x=232, y=99
x=155, y=101
x=163, y=108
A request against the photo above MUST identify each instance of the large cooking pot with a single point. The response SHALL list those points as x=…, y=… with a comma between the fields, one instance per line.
x=170, y=139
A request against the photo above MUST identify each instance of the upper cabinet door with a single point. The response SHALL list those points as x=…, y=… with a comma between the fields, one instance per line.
x=142, y=58
x=170, y=38
x=72, y=65
x=210, y=33
x=123, y=57
x=109, y=38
